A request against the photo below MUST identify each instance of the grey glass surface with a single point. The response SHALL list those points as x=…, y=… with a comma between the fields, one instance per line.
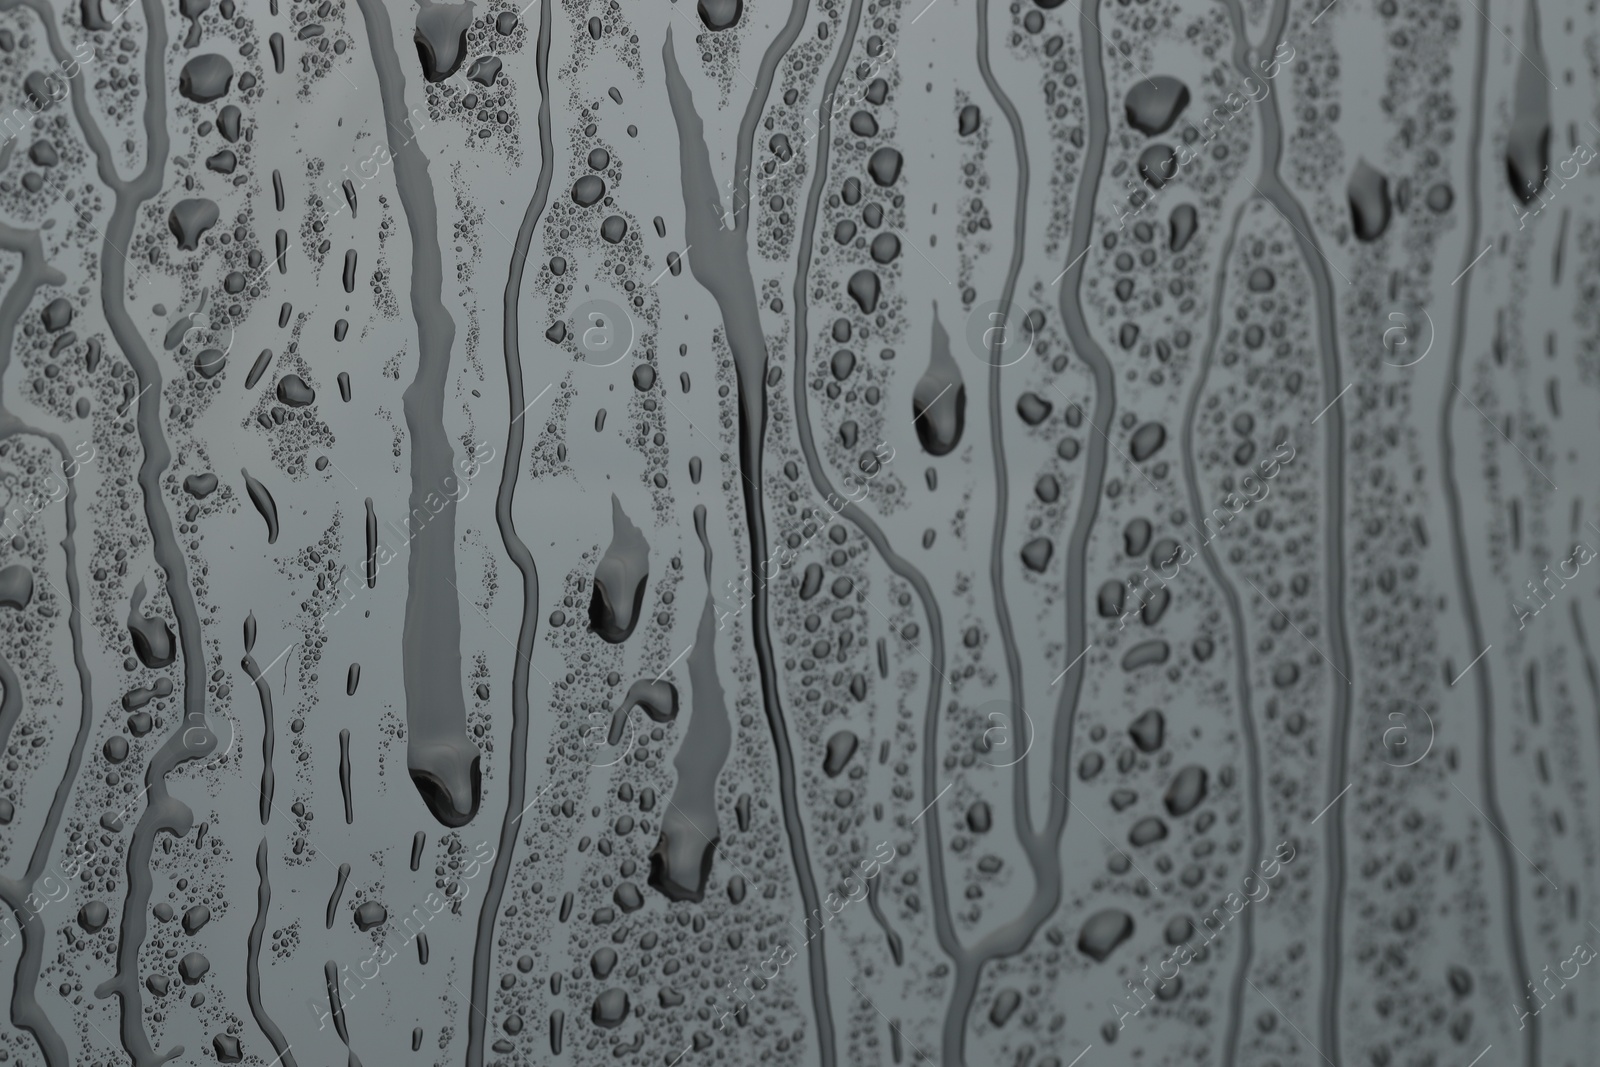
x=799, y=533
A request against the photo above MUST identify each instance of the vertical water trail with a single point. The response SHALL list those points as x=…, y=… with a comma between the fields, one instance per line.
x=1105, y=406
x=330, y=974
x=10, y=700
x=1272, y=188
x=1043, y=849
x=161, y=812
x=25, y=1009
x=1230, y=596
x=681, y=861
x=744, y=149
x=442, y=759
x=269, y=732
x=346, y=776
x=130, y=195
x=252, y=974
x=517, y=780
x=1021, y=801
x=1591, y=671
x=1277, y=192
x=26, y=1012
x=938, y=883
x=720, y=263
x=1482, y=685
x=341, y=878
x=896, y=947
x=371, y=567
x=33, y=274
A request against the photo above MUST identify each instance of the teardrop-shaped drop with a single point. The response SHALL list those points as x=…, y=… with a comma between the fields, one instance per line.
x=939, y=401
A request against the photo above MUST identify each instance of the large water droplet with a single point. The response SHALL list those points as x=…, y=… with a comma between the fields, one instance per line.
x=1104, y=931
x=190, y=219
x=619, y=579
x=720, y=14
x=16, y=586
x=441, y=38
x=1369, y=202
x=152, y=638
x=939, y=401
x=1154, y=104
x=205, y=78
